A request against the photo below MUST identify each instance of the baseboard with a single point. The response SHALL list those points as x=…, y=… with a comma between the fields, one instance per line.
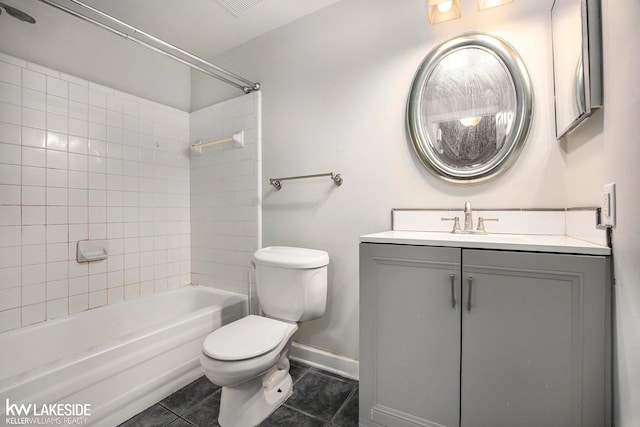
x=325, y=360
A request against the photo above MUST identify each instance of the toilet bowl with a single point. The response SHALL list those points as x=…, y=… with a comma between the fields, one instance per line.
x=249, y=358
x=253, y=371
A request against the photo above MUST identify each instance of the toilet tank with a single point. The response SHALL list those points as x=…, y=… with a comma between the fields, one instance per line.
x=291, y=282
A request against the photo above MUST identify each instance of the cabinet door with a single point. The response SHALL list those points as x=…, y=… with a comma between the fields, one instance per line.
x=409, y=335
x=533, y=340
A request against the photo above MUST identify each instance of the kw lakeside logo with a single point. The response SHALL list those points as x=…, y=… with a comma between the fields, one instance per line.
x=47, y=414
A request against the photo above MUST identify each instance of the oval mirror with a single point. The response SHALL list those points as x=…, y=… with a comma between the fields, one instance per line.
x=470, y=108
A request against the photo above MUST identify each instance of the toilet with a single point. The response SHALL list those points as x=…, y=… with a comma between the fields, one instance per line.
x=249, y=358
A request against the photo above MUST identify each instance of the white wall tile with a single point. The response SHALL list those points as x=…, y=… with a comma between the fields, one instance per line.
x=35, y=196
x=57, y=159
x=78, y=303
x=34, y=254
x=78, y=127
x=34, y=118
x=71, y=169
x=78, y=144
x=33, y=137
x=78, y=110
x=34, y=294
x=57, y=215
x=79, y=285
x=33, y=314
x=79, y=93
x=10, y=235
x=33, y=215
x=9, y=319
x=57, y=252
x=217, y=196
x=35, y=176
x=34, y=80
x=57, y=308
x=34, y=99
x=33, y=234
x=10, y=113
x=57, y=123
x=10, y=93
x=34, y=157
x=57, y=86
x=10, y=215
x=57, y=233
x=58, y=105
x=115, y=295
x=10, y=73
x=57, y=196
x=9, y=298
x=57, y=141
x=34, y=274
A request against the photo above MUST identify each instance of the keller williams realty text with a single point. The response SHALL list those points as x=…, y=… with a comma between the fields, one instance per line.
x=54, y=413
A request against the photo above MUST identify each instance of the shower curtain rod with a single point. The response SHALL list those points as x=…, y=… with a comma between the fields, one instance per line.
x=219, y=73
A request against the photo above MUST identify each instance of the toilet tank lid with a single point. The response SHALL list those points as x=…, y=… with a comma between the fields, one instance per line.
x=290, y=257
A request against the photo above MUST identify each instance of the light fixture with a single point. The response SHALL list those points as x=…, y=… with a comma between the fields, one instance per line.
x=443, y=10
x=487, y=4
x=470, y=121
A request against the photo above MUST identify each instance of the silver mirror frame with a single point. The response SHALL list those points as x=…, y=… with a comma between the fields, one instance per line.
x=588, y=78
x=421, y=138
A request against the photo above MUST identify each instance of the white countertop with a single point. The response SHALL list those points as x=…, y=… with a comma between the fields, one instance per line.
x=512, y=242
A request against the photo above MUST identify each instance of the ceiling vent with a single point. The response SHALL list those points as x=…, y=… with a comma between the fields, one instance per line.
x=238, y=7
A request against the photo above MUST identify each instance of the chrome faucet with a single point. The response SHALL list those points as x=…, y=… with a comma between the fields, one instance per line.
x=468, y=218
x=468, y=222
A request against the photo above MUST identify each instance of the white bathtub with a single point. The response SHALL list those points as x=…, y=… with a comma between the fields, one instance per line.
x=120, y=358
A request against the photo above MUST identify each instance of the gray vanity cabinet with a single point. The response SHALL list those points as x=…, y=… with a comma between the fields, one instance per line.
x=479, y=338
x=409, y=335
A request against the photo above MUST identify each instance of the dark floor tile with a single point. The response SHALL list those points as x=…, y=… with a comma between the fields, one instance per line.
x=154, y=416
x=206, y=413
x=189, y=396
x=320, y=395
x=348, y=415
x=297, y=370
x=334, y=375
x=180, y=423
x=285, y=416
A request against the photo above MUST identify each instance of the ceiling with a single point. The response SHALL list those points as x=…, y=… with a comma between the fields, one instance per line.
x=204, y=28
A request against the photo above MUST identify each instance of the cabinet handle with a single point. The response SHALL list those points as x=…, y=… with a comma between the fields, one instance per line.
x=470, y=279
x=453, y=290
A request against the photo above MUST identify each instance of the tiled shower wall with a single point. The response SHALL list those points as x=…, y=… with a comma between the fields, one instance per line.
x=83, y=161
x=225, y=194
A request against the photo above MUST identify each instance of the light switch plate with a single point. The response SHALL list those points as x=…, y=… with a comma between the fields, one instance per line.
x=609, y=205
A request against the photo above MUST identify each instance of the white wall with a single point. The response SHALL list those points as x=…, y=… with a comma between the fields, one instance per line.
x=83, y=161
x=607, y=149
x=335, y=86
x=225, y=194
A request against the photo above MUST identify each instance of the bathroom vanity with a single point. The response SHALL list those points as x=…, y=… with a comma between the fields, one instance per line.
x=487, y=331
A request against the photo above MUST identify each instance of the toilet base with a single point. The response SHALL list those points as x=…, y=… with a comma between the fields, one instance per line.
x=249, y=403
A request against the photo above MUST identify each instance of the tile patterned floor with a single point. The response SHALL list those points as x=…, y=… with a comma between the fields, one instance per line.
x=319, y=399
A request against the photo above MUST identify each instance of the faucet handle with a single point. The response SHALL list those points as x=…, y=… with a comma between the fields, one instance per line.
x=481, y=221
x=456, y=223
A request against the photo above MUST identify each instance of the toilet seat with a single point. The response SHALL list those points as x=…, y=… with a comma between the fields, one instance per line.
x=247, y=338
